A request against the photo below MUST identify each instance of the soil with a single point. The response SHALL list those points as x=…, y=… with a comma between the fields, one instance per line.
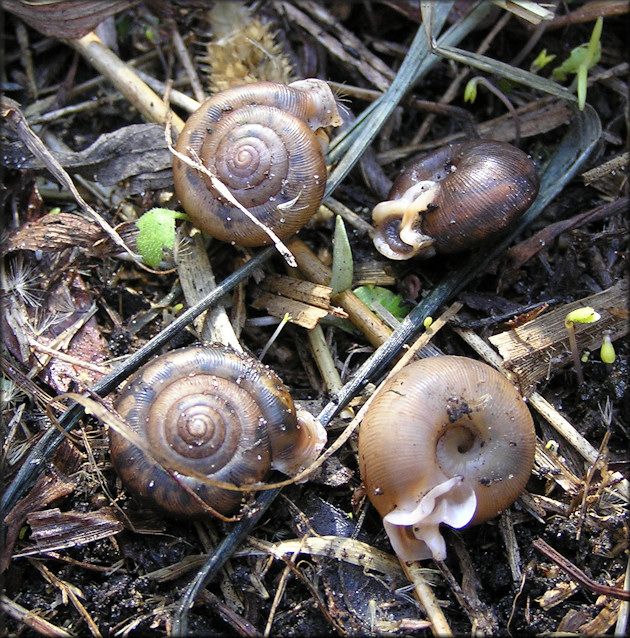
x=82, y=555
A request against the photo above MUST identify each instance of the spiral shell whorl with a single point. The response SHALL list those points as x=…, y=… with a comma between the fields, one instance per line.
x=493, y=181
x=259, y=140
x=207, y=409
x=481, y=187
x=458, y=424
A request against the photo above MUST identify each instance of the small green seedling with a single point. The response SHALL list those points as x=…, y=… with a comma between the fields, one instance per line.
x=579, y=315
x=285, y=320
x=470, y=91
x=342, y=266
x=373, y=296
x=541, y=61
x=581, y=59
x=156, y=231
x=607, y=351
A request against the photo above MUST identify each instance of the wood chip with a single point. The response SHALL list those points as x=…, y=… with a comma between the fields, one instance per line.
x=305, y=302
x=49, y=487
x=53, y=530
x=603, y=621
x=553, y=467
x=299, y=313
x=533, y=350
x=558, y=593
x=300, y=290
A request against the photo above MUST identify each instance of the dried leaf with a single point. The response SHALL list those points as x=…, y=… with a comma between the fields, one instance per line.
x=65, y=18
x=54, y=232
x=136, y=155
x=61, y=341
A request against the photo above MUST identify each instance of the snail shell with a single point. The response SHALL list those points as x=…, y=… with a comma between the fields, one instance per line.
x=446, y=440
x=458, y=197
x=213, y=412
x=265, y=143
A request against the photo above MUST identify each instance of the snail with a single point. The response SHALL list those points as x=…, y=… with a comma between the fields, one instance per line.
x=456, y=198
x=446, y=440
x=265, y=142
x=209, y=412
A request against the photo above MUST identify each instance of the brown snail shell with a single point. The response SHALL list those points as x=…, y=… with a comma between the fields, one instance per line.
x=211, y=410
x=446, y=440
x=264, y=142
x=456, y=198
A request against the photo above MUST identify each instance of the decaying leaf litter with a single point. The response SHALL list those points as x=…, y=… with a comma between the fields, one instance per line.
x=75, y=304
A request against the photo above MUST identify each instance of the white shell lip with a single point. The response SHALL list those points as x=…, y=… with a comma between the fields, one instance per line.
x=311, y=442
x=328, y=105
x=408, y=208
x=421, y=245
x=413, y=529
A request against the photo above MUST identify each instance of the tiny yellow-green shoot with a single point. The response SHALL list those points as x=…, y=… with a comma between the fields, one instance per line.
x=541, y=61
x=607, y=351
x=582, y=315
x=579, y=315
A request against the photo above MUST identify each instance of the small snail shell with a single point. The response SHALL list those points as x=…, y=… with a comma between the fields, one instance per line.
x=456, y=198
x=446, y=440
x=219, y=413
x=263, y=141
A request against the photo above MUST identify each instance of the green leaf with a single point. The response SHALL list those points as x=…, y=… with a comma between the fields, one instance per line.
x=582, y=77
x=594, y=51
x=583, y=57
x=541, y=61
x=156, y=230
x=576, y=60
x=342, y=266
x=393, y=303
x=470, y=92
x=586, y=314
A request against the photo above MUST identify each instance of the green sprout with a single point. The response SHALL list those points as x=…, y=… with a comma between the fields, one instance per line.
x=470, y=92
x=342, y=266
x=375, y=296
x=553, y=445
x=541, y=61
x=607, y=351
x=579, y=315
x=287, y=317
x=580, y=60
x=156, y=231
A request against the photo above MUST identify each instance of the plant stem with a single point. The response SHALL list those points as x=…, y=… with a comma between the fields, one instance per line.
x=574, y=351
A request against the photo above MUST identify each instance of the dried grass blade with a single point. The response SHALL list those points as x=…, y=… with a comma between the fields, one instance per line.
x=349, y=147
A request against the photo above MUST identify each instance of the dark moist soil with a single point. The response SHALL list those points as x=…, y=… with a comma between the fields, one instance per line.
x=114, y=578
